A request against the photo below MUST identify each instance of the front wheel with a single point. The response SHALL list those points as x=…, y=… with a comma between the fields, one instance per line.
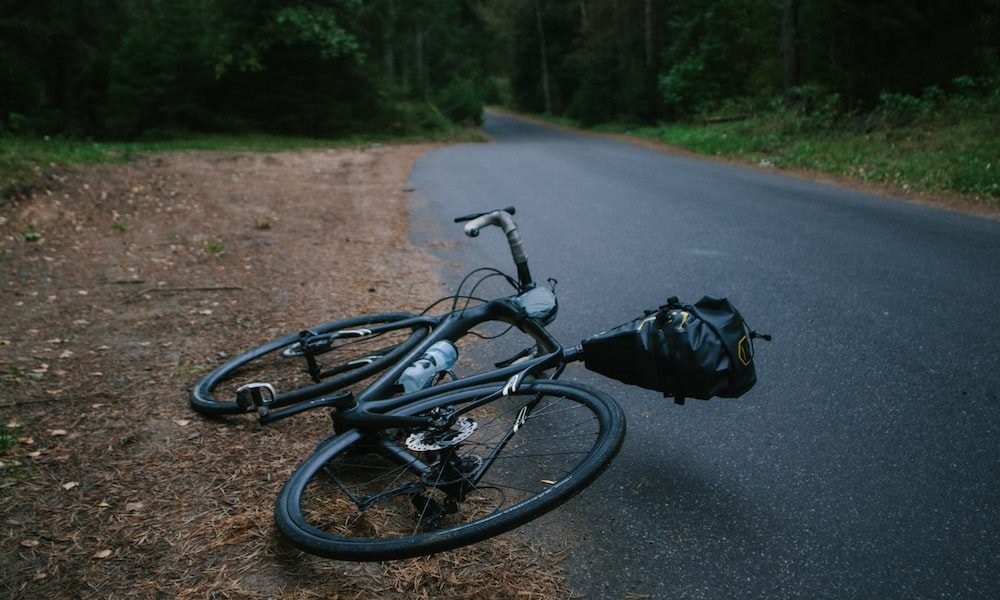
x=318, y=360
x=502, y=460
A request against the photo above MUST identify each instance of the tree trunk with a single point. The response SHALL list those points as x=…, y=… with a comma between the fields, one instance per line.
x=421, y=67
x=388, y=46
x=649, y=33
x=545, y=63
x=790, y=45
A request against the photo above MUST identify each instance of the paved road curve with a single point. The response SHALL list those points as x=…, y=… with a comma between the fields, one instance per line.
x=866, y=462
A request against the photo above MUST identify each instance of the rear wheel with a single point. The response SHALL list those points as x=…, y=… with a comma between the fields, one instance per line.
x=318, y=360
x=502, y=460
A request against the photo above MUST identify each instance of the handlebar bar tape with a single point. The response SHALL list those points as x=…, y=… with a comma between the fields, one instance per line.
x=509, y=210
x=503, y=220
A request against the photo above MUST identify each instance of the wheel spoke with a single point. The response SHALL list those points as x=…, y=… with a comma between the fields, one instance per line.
x=304, y=375
x=505, y=460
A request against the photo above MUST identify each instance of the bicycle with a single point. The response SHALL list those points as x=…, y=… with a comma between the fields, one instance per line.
x=414, y=472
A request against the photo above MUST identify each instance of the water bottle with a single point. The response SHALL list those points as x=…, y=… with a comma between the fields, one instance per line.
x=439, y=357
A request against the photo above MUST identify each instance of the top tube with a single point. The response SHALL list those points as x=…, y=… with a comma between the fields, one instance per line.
x=377, y=397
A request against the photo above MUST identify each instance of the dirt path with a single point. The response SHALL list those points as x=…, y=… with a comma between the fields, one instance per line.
x=118, y=286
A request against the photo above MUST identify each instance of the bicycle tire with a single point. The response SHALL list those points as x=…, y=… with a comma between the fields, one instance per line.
x=326, y=509
x=214, y=394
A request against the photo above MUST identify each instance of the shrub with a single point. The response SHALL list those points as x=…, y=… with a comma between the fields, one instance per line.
x=686, y=87
x=460, y=103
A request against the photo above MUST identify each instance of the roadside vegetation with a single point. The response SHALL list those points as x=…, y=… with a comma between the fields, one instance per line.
x=934, y=142
x=25, y=158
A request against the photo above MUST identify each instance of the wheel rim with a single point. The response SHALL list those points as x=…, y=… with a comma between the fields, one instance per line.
x=285, y=366
x=360, y=504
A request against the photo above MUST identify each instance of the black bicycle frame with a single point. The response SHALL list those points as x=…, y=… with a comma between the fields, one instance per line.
x=367, y=409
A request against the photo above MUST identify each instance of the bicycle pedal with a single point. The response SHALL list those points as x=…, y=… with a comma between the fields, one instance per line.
x=254, y=396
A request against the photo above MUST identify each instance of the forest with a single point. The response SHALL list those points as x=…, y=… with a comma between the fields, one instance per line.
x=122, y=68
x=160, y=69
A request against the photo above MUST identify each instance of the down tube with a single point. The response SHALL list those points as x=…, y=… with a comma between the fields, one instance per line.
x=377, y=397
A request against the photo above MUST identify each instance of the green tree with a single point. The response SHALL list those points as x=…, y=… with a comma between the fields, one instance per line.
x=293, y=67
x=719, y=50
x=54, y=61
x=161, y=74
x=126, y=68
x=861, y=48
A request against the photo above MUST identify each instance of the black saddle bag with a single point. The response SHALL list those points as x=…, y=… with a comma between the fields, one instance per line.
x=697, y=351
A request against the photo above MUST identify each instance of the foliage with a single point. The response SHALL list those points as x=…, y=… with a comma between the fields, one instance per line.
x=315, y=26
x=719, y=51
x=934, y=142
x=460, y=103
x=161, y=69
x=7, y=438
x=25, y=160
x=862, y=48
x=126, y=70
x=655, y=60
x=17, y=375
x=596, y=55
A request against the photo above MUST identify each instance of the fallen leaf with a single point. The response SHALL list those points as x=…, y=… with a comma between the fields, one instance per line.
x=35, y=454
x=66, y=354
x=182, y=422
x=58, y=432
x=134, y=506
x=29, y=543
x=70, y=485
x=102, y=554
x=26, y=440
x=103, y=505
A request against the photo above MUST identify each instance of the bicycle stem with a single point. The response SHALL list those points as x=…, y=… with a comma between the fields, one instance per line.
x=573, y=354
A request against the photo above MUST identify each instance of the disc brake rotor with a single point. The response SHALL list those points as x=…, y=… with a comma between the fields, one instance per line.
x=439, y=439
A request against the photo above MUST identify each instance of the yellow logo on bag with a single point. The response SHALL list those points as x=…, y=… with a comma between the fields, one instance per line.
x=745, y=351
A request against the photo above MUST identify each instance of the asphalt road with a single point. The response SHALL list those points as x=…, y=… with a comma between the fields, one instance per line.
x=866, y=461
